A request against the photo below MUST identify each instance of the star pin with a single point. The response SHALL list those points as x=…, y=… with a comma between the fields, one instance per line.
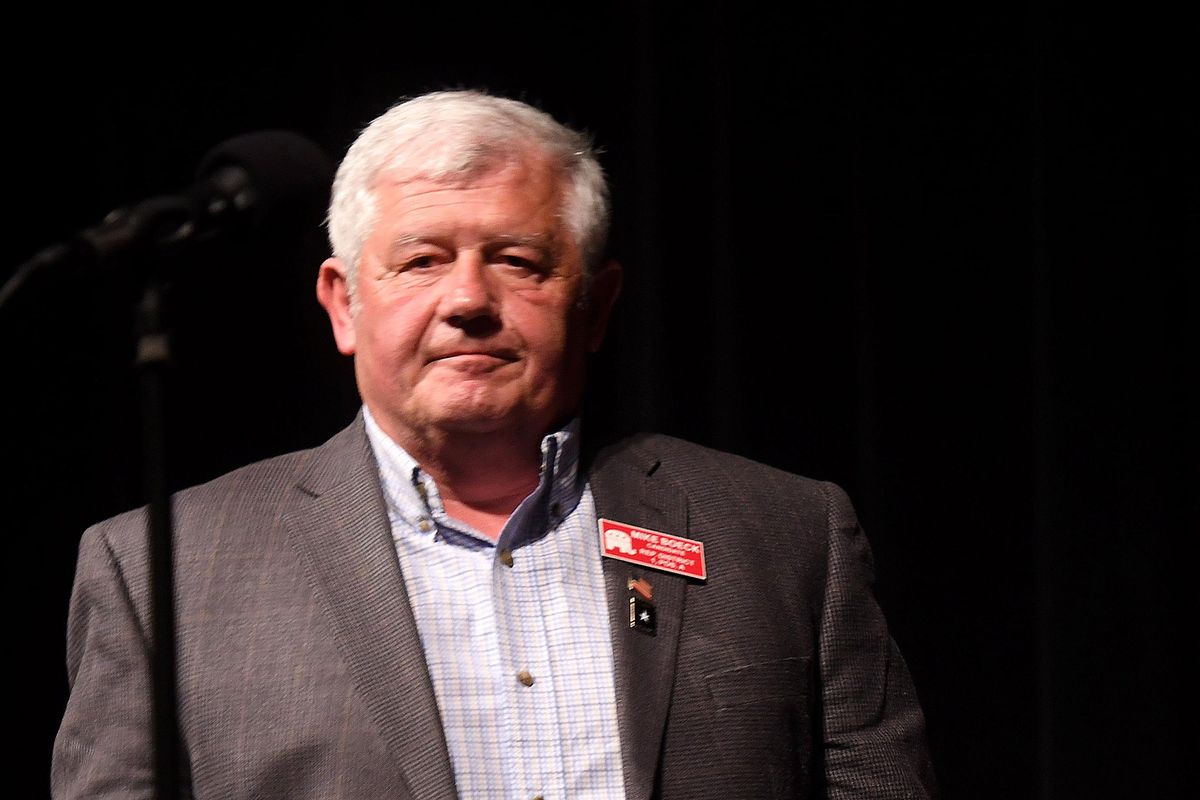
x=641, y=616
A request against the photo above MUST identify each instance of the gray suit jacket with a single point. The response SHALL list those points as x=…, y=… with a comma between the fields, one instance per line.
x=301, y=673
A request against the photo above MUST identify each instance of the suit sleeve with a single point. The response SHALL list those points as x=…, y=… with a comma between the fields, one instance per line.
x=104, y=746
x=873, y=728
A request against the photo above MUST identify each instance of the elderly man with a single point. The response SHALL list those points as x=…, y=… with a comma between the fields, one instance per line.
x=447, y=599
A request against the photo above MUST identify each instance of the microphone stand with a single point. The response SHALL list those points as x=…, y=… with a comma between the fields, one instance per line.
x=158, y=227
x=152, y=361
x=238, y=181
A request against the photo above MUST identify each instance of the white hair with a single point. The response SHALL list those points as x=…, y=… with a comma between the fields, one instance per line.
x=454, y=137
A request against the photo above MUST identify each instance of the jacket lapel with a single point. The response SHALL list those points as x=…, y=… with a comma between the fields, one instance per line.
x=625, y=490
x=339, y=527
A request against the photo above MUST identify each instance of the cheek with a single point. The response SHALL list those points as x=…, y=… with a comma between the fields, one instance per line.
x=545, y=331
x=558, y=347
x=547, y=314
x=393, y=334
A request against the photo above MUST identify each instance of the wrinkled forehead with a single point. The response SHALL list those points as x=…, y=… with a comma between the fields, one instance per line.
x=531, y=191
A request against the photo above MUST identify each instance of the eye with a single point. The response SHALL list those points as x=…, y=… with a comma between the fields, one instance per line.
x=517, y=261
x=420, y=262
x=522, y=262
x=416, y=263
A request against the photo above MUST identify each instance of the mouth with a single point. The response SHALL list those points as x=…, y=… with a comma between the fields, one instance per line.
x=475, y=360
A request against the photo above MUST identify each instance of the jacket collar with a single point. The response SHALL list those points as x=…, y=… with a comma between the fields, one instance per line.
x=628, y=487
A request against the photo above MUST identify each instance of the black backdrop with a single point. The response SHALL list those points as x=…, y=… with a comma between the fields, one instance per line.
x=943, y=256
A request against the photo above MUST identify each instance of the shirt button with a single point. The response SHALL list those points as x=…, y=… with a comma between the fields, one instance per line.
x=425, y=525
x=525, y=678
x=538, y=797
x=506, y=557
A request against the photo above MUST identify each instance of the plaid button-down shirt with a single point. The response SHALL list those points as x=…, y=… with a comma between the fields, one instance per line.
x=515, y=632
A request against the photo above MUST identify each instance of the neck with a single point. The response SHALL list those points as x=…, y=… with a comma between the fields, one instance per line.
x=481, y=478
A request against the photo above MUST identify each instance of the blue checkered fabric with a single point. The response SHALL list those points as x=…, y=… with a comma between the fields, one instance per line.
x=521, y=655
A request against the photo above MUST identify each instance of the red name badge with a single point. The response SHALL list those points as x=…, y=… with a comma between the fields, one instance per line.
x=653, y=549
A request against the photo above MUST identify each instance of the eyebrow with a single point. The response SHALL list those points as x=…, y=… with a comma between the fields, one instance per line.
x=409, y=239
x=541, y=241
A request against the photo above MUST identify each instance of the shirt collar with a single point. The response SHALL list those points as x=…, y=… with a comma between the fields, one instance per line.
x=413, y=499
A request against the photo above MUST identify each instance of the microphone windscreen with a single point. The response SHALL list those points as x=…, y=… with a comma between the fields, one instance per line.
x=276, y=175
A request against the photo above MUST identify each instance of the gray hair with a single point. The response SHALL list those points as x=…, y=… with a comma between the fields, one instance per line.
x=454, y=137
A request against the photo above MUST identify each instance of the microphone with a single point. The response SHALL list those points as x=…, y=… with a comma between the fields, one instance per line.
x=253, y=181
x=241, y=183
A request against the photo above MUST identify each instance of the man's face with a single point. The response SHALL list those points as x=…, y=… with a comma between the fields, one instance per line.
x=469, y=318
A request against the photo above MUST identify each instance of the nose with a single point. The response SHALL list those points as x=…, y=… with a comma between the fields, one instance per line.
x=470, y=299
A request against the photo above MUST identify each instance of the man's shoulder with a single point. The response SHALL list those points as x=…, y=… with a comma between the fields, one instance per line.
x=721, y=495
x=656, y=451
x=696, y=468
x=251, y=490
x=264, y=477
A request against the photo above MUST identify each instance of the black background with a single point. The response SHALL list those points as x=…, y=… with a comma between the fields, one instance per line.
x=940, y=254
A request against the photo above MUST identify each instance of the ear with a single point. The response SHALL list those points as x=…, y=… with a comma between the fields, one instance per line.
x=602, y=294
x=333, y=292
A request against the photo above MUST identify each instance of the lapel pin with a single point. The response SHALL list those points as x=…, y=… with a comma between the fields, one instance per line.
x=641, y=616
x=652, y=549
x=641, y=586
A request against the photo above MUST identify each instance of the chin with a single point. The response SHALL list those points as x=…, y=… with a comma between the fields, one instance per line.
x=482, y=421
x=474, y=415
x=481, y=410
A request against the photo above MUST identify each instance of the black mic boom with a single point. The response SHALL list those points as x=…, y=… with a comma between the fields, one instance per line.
x=256, y=179
x=241, y=183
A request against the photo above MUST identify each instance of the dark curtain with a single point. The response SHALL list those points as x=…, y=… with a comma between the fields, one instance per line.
x=942, y=255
